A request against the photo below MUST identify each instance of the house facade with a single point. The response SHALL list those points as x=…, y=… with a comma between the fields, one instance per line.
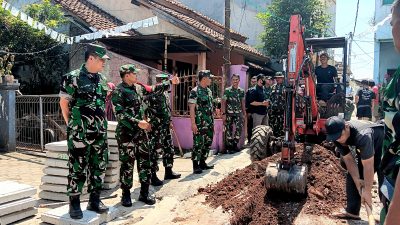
x=386, y=59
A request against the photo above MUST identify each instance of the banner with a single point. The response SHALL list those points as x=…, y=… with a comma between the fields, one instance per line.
x=116, y=31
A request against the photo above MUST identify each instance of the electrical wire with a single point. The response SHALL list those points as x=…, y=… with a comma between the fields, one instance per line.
x=355, y=22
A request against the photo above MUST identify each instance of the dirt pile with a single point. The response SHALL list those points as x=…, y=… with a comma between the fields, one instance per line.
x=244, y=195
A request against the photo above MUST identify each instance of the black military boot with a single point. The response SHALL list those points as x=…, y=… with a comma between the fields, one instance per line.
x=75, y=211
x=236, y=148
x=154, y=180
x=95, y=203
x=169, y=174
x=144, y=195
x=126, y=198
x=203, y=165
x=196, y=167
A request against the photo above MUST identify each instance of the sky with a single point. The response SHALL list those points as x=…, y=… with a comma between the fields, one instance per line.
x=362, y=53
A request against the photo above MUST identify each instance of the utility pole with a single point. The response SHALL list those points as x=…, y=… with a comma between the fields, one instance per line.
x=227, y=44
x=350, y=42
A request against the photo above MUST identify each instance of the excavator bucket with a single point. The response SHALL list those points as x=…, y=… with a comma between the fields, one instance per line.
x=293, y=180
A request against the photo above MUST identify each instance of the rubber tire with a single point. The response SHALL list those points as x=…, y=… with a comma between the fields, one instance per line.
x=260, y=147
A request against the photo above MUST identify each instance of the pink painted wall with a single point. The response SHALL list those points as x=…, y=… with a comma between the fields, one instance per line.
x=183, y=125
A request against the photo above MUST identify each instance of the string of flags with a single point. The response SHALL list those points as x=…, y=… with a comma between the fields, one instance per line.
x=116, y=31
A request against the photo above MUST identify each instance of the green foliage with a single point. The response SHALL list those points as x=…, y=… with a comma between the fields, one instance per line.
x=276, y=23
x=46, y=13
x=38, y=73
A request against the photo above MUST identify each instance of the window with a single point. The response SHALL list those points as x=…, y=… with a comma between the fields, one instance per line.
x=387, y=2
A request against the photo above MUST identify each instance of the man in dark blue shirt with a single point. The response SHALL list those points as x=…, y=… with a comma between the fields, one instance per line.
x=326, y=77
x=258, y=103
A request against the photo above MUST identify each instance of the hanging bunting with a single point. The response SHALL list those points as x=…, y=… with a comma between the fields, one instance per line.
x=24, y=17
x=14, y=11
x=116, y=31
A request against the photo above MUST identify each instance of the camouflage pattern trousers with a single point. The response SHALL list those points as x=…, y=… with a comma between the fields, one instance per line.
x=162, y=140
x=88, y=159
x=202, y=142
x=276, y=121
x=232, y=138
x=133, y=148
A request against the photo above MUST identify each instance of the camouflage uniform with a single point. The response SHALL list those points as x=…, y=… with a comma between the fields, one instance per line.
x=202, y=141
x=159, y=114
x=267, y=92
x=390, y=162
x=234, y=115
x=86, y=129
x=277, y=109
x=133, y=142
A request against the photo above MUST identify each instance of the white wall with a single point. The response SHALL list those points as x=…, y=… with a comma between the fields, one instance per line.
x=381, y=12
x=385, y=56
x=243, y=15
x=388, y=59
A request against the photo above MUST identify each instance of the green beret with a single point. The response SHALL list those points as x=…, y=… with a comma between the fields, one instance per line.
x=128, y=68
x=98, y=50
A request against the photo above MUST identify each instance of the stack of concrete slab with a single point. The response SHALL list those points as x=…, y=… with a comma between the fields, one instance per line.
x=16, y=201
x=60, y=216
x=111, y=179
x=54, y=181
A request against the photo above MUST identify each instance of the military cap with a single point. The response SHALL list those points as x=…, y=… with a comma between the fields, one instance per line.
x=279, y=74
x=268, y=77
x=127, y=68
x=260, y=76
x=98, y=50
x=162, y=76
x=204, y=73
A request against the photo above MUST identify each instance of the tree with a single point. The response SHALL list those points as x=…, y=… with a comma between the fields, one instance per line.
x=39, y=73
x=46, y=13
x=276, y=23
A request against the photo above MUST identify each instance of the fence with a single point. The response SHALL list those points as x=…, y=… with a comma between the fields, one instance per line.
x=180, y=94
x=38, y=121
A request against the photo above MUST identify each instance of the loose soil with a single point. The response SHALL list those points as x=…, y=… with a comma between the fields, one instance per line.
x=243, y=195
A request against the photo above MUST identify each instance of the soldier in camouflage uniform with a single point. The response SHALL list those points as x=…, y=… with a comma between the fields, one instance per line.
x=267, y=91
x=390, y=163
x=278, y=104
x=201, y=116
x=132, y=131
x=159, y=113
x=233, y=111
x=82, y=100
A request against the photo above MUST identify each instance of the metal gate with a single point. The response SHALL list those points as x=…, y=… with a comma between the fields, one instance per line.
x=38, y=121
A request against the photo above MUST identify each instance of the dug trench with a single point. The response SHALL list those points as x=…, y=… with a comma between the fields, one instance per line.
x=244, y=196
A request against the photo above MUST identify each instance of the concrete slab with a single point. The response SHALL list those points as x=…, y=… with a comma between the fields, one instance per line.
x=63, y=197
x=113, y=149
x=112, y=143
x=11, y=191
x=111, y=179
x=57, y=155
x=15, y=206
x=64, y=164
x=56, y=163
x=56, y=171
x=113, y=157
x=112, y=171
x=60, y=146
x=59, y=188
x=108, y=186
x=11, y=218
x=49, y=179
x=60, y=216
x=110, y=134
x=112, y=125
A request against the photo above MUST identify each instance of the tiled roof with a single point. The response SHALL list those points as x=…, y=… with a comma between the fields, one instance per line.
x=204, y=28
x=90, y=13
